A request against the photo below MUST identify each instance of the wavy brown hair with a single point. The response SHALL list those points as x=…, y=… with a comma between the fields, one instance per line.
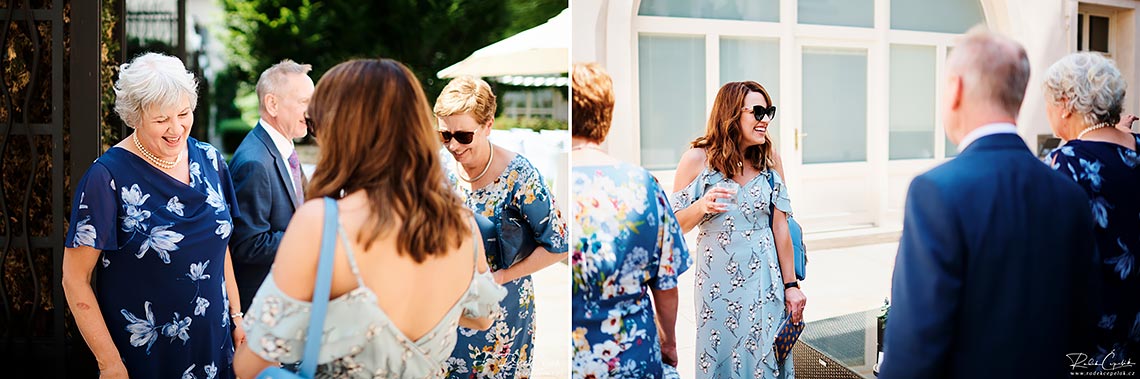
x=374, y=124
x=722, y=134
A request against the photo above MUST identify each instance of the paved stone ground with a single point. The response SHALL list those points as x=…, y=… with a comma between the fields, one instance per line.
x=552, y=331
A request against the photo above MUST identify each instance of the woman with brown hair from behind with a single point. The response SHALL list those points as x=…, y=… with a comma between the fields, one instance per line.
x=409, y=265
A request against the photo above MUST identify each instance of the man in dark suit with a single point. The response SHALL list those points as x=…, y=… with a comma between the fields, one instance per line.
x=995, y=273
x=267, y=174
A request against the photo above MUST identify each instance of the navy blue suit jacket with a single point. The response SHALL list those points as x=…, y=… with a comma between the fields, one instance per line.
x=266, y=197
x=995, y=275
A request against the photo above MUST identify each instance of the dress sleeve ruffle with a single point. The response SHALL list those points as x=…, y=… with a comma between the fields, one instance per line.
x=484, y=296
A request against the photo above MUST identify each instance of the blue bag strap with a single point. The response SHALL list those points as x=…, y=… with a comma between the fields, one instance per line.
x=320, y=292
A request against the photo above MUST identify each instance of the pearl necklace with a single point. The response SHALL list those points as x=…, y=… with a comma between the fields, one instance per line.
x=488, y=167
x=165, y=164
x=1089, y=129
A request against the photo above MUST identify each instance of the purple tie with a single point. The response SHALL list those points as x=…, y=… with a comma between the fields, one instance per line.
x=295, y=169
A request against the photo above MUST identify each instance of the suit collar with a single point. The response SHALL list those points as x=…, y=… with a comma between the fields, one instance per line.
x=1001, y=141
x=278, y=161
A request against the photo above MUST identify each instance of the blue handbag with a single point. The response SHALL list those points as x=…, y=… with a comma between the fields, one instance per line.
x=797, y=234
x=321, y=289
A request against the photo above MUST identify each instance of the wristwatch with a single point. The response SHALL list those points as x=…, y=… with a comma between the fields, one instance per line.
x=792, y=284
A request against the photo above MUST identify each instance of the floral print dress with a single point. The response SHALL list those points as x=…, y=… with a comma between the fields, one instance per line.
x=160, y=277
x=1110, y=175
x=740, y=290
x=626, y=241
x=504, y=350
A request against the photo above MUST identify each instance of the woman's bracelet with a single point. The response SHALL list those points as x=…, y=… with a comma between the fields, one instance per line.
x=239, y=314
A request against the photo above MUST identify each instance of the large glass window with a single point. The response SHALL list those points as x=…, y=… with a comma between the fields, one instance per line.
x=748, y=10
x=859, y=13
x=755, y=59
x=945, y=16
x=912, y=102
x=835, y=105
x=672, y=96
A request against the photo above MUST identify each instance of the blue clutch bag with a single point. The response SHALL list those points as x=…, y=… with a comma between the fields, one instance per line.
x=516, y=238
x=786, y=338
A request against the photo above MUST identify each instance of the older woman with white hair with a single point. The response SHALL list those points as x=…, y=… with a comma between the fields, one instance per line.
x=152, y=217
x=1084, y=94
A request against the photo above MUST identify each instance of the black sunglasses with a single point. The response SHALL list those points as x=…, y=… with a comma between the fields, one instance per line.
x=759, y=111
x=461, y=137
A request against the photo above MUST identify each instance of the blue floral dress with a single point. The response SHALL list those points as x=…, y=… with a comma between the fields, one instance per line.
x=1110, y=175
x=740, y=290
x=160, y=278
x=504, y=350
x=626, y=241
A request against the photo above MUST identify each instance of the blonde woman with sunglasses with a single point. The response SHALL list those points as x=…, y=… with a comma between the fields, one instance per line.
x=507, y=189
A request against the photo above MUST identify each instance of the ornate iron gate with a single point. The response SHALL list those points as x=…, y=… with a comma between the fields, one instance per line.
x=50, y=117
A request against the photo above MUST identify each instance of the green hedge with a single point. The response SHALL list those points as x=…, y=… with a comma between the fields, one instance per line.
x=233, y=131
x=535, y=124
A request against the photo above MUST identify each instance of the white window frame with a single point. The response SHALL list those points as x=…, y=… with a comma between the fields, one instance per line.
x=1084, y=11
x=792, y=37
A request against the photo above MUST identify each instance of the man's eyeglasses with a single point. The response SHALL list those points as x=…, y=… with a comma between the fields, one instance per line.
x=759, y=111
x=461, y=137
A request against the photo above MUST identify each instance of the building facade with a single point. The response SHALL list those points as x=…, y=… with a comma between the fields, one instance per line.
x=857, y=82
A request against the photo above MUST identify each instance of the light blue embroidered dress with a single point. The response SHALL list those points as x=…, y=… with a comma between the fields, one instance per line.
x=626, y=241
x=740, y=290
x=505, y=350
x=160, y=279
x=359, y=339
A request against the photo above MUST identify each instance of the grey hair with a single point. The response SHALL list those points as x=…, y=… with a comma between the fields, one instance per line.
x=993, y=67
x=1089, y=85
x=273, y=78
x=149, y=80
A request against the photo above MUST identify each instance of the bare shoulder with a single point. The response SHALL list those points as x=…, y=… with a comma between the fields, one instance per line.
x=695, y=155
x=691, y=164
x=693, y=159
x=295, y=255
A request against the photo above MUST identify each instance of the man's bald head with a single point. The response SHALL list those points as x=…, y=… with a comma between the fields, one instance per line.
x=994, y=69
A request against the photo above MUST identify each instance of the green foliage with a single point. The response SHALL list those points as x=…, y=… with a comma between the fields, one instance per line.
x=233, y=131
x=426, y=35
x=532, y=123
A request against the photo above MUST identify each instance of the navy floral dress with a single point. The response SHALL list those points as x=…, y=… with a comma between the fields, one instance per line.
x=626, y=241
x=504, y=350
x=160, y=278
x=1110, y=175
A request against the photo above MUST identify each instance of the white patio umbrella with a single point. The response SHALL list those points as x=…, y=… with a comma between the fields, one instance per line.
x=543, y=49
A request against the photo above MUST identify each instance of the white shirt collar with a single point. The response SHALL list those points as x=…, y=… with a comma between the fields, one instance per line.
x=284, y=145
x=986, y=130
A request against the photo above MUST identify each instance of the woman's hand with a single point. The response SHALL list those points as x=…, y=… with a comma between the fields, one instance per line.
x=115, y=370
x=1125, y=123
x=669, y=354
x=794, y=301
x=239, y=332
x=708, y=205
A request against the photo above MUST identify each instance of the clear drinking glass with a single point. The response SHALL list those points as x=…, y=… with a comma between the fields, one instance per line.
x=733, y=188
